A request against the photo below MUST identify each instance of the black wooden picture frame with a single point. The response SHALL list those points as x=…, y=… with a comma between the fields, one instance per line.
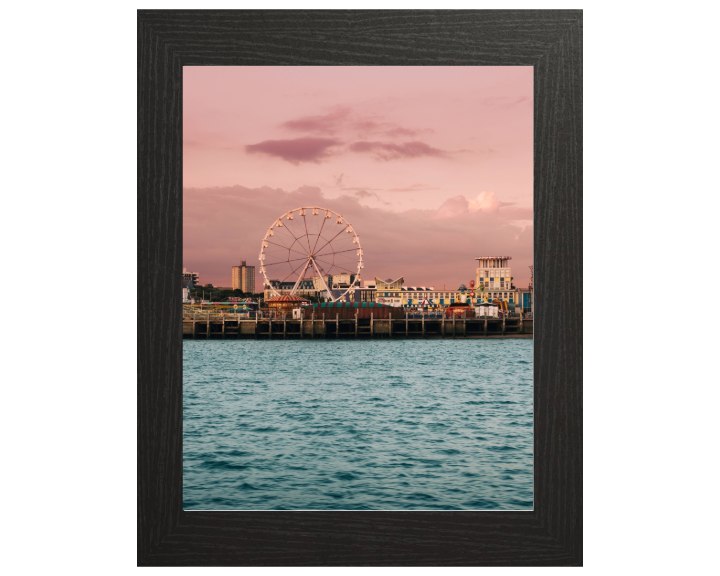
x=549, y=40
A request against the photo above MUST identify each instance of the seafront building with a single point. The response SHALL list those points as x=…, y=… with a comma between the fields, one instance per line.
x=365, y=294
x=524, y=299
x=187, y=286
x=493, y=279
x=314, y=286
x=305, y=288
x=243, y=277
x=418, y=295
x=395, y=293
x=194, y=276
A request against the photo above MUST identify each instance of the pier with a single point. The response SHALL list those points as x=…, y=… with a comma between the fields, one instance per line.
x=207, y=326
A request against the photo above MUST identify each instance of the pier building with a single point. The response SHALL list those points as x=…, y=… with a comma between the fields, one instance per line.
x=365, y=294
x=389, y=292
x=524, y=299
x=493, y=279
x=285, y=304
x=187, y=286
x=393, y=293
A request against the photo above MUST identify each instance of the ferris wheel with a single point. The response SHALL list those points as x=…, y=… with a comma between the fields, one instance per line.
x=311, y=245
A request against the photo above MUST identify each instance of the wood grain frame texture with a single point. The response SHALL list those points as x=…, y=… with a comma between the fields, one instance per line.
x=549, y=40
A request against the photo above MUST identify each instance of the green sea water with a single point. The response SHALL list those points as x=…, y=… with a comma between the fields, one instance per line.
x=358, y=425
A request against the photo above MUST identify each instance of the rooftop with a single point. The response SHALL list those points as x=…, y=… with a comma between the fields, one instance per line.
x=350, y=305
x=286, y=298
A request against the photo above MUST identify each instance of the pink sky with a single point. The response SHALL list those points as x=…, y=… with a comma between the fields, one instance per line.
x=433, y=166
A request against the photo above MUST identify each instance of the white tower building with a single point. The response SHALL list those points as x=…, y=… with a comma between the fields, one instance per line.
x=494, y=275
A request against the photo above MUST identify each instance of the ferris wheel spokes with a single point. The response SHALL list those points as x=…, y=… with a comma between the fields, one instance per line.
x=322, y=278
x=285, y=247
x=302, y=274
x=303, y=230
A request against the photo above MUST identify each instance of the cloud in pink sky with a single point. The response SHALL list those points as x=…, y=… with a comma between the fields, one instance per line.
x=322, y=123
x=348, y=120
x=436, y=163
x=307, y=149
x=296, y=150
x=391, y=151
x=412, y=188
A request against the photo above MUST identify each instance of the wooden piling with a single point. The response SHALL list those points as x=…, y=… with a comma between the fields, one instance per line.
x=313, y=324
x=232, y=327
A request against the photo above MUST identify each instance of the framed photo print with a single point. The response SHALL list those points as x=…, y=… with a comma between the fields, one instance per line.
x=377, y=356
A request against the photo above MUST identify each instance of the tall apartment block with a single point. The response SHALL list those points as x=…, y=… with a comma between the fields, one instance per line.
x=243, y=277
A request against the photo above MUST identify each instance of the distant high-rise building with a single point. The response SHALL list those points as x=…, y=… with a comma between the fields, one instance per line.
x=194, y=277
x=243, y=277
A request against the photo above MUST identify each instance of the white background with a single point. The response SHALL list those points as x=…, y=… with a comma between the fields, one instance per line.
x=69, y=241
